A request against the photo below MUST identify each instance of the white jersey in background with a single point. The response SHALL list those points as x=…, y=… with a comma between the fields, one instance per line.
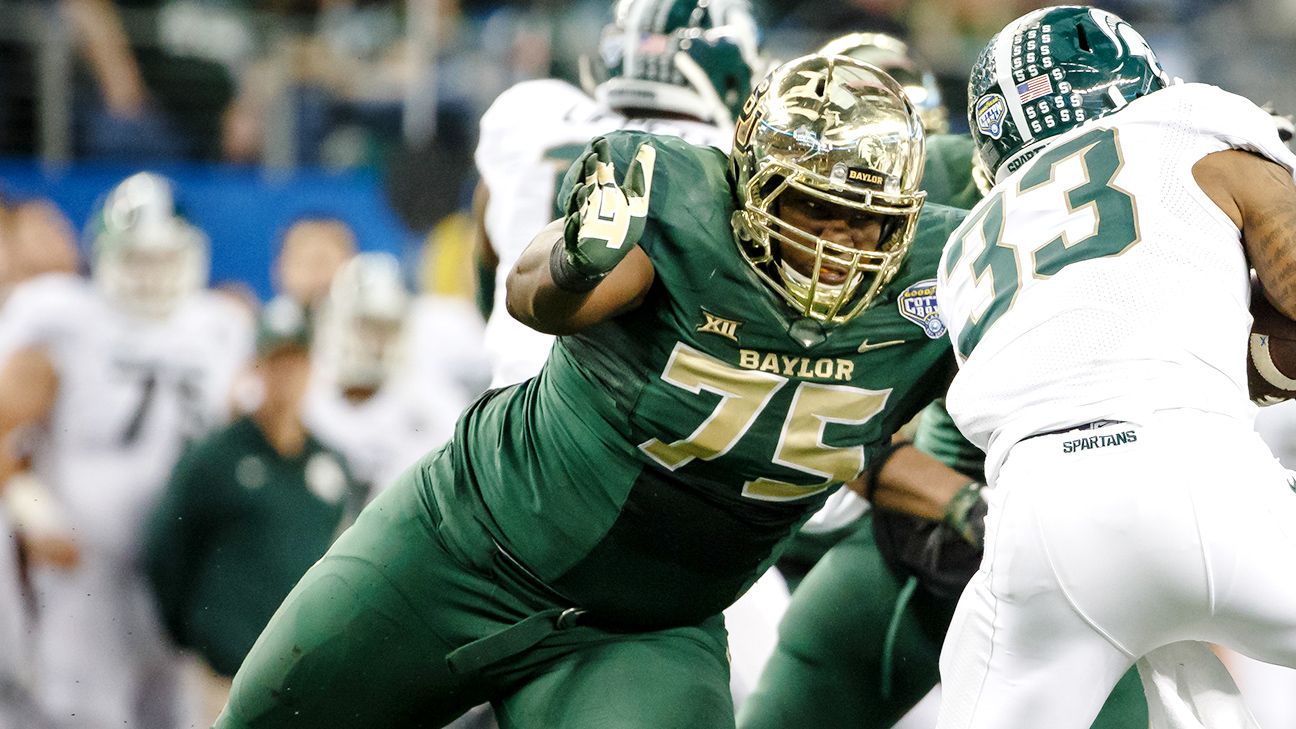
x=131, y=393
x=1116, y=287
x=384, y=434
x=529, y=137
x=445, y=337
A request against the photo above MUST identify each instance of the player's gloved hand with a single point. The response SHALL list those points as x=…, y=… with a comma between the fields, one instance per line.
x=604, y=220
x=966, y=512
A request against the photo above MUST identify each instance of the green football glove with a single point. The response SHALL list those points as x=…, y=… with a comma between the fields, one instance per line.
x=966, y=512
x=604, y=220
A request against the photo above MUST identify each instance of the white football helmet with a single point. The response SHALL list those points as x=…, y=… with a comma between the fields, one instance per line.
x=693, y=57
x=365, y=321
x=145, y=256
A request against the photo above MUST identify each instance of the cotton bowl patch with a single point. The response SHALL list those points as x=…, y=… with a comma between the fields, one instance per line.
x=917, y=303
x=990, y=112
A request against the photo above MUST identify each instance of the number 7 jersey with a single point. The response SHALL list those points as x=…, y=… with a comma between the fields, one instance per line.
x=1099, y=282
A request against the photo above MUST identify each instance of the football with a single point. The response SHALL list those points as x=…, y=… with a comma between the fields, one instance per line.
x=1271, y=356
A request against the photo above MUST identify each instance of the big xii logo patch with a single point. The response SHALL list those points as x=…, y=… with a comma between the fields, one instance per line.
x=727, y=328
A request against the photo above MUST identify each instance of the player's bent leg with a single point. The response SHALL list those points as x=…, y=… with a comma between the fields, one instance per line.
x=835, y=665
x=668, y=679
x=361, y=642
x=1247, y=533
x=343, y=651
x=1019, y=651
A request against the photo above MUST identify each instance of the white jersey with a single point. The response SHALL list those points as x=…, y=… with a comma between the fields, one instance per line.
x=382, y=436
x=131, y=393
x=529, y=137
x=1099, y=282
x=445, y=338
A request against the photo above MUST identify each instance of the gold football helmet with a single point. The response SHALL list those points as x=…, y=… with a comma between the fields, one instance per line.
x=843, y=133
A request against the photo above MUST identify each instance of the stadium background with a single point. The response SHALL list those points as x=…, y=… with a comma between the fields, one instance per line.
x=265, y=109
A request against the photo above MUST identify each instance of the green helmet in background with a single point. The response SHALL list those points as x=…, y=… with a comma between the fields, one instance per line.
x=691, y=57
x=894, y=56
x=1050, y=71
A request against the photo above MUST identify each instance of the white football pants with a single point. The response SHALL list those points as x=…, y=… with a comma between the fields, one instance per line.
x=1103, y=545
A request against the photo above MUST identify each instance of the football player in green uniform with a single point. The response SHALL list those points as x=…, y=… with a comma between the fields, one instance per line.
x=740, y=335
x=859, y=645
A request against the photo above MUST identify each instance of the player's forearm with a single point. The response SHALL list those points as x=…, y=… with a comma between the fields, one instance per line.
x=1269, y=232
x=534, y=298
x=915, y=483
x=537, y=299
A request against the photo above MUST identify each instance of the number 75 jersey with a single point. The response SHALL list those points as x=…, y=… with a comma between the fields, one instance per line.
x=1098, y=281
x=660, y=457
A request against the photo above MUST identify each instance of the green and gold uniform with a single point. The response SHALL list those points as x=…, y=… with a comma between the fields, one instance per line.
x=567, y=555
x=860, y=642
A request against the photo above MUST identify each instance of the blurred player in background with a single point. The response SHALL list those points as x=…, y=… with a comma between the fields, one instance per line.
x=102, y=383
x=366, y=400
x=675, y=67
x=36, y=238
x=1098, y=302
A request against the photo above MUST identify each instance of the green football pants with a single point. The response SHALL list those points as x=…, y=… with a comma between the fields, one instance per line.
x=392, y=628
x=852, y=654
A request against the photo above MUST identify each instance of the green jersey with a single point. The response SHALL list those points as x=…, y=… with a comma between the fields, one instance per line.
x=947, y=174
x=654, y=465
x=236, y=528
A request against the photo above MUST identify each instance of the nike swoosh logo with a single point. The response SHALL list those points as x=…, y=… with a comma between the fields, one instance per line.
x=865, y=346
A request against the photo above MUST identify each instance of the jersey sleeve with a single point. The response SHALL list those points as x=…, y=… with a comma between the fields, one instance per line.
x=939, y=437
x=1236, y=120
x=509, y=127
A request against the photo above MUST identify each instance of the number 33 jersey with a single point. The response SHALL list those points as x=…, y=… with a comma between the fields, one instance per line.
x=1099, y=282
x=660, y=457
x=131, y=393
